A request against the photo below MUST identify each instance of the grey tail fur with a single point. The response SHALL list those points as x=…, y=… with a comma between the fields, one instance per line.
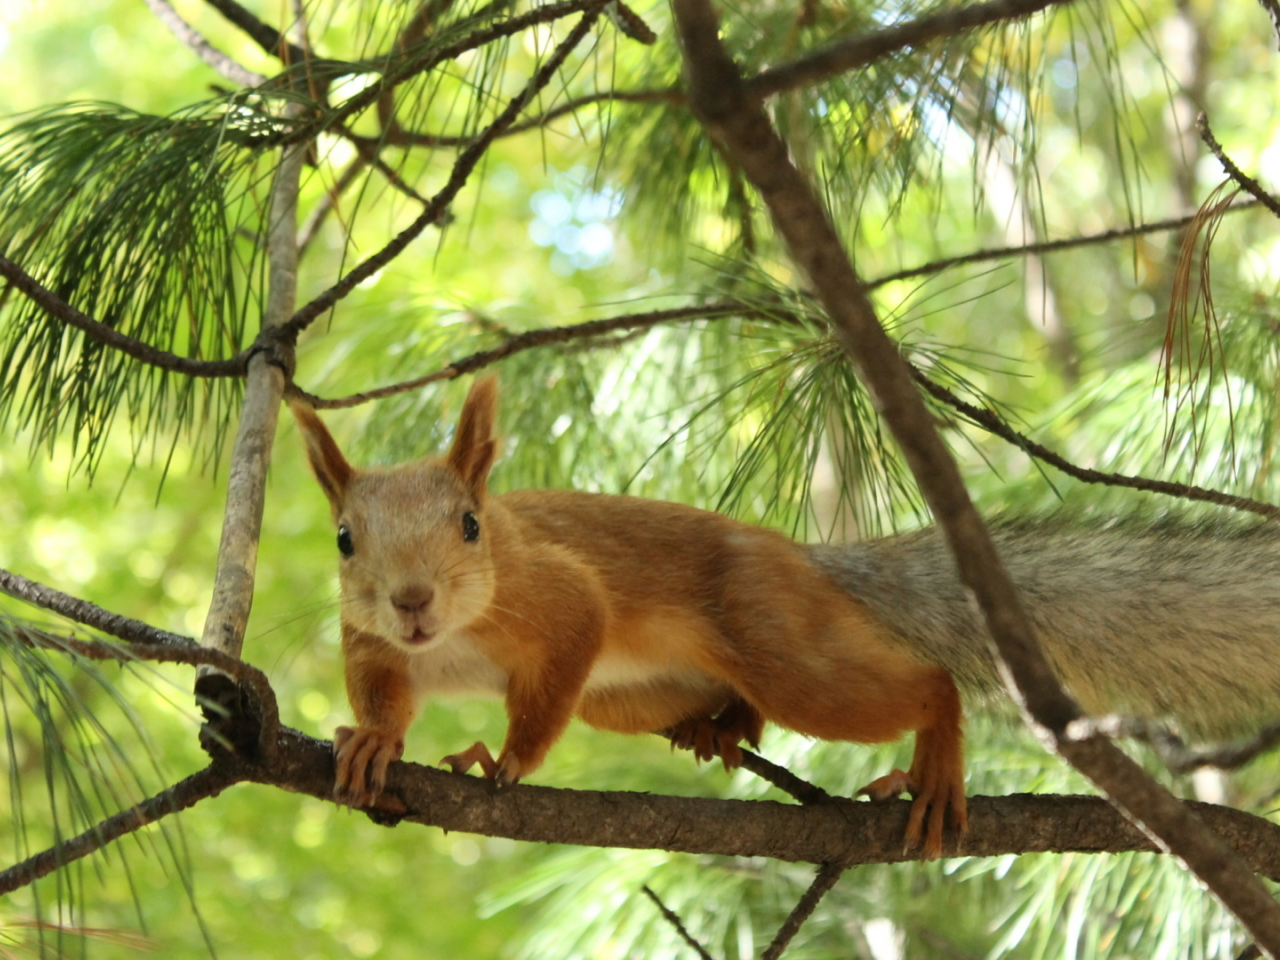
x=1173, y=619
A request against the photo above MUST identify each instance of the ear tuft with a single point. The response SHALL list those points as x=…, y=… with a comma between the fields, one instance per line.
x=474, y=445
x=327, y=462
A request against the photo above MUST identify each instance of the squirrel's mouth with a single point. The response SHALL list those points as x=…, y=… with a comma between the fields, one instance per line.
x=419, y=637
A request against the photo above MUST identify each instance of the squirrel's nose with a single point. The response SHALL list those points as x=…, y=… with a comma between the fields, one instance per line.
x=412, y=599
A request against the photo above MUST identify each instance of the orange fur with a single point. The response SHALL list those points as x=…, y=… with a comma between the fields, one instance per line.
x=635, y=615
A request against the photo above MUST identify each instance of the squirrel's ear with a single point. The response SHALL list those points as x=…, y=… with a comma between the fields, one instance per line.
x=474, y=446
x=328, y=463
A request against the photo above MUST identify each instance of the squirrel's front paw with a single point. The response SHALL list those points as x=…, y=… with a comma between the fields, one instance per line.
x=361, y=756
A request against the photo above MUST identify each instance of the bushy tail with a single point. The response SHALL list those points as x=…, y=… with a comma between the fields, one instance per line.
x=1173, y=619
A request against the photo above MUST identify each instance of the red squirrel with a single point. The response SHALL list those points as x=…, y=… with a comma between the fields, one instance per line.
x=634, y=615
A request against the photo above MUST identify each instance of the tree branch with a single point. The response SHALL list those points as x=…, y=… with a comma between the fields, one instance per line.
x=1048, y=246
x=527, y=341
x=271, y=40
x=846, y=55
x=209, y=782
x=735, y=116
x=462, y=168
x=1246, y=182
x=673, y=918
x=828, y=875
x=847, y=831
x=211, y=55
x=59, y=309
x=990, y=422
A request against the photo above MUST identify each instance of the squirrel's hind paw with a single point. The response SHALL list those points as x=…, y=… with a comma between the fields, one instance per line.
x=932, y=801
x=468, y=758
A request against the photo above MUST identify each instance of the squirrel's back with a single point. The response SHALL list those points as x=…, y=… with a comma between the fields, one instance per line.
x=1173, y=619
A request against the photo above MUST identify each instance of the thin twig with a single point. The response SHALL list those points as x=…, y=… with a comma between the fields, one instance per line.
x=526, y=341
x=783, y=779
x=429, y=59
x=209, y=782
x=988, y=421
x=221, y=62
x=462, y=168
x=1235, y=173
x=673, y=918
x=108, y=336
x=828, y=874
x=846, y=55
x=1047, y=246
x=399, y=137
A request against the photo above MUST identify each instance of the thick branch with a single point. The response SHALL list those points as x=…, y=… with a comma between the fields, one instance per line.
x=737, y=119
x=846, y=55
x=199, y=786
x=462, y=168
x=110, y=337
x=846, y=831
x=856, y=832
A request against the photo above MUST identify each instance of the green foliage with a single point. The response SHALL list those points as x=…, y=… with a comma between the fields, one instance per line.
x=150, y=217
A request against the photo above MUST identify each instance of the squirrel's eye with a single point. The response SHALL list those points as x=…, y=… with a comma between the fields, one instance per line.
x=344, y=542
x=470, y=527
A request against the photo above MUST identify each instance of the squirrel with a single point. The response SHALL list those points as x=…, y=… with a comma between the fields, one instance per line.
x=639, y=615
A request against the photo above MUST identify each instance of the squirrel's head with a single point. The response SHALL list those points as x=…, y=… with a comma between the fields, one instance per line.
x=415, y=562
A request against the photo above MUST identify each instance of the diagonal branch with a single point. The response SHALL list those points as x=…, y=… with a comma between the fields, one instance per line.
x=110, y=337
x=673, y=918
x=221, y=62
x=859, y=51
x=828, y=875
x=1235, y=173
x=990, y=422
x=209, y=782
x=736, y=118
x=271, y=40
x=528, y=341
x=462, y=168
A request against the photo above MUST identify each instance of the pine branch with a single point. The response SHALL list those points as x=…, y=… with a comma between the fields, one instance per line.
x=107, y=336
x=1048, y=246
x=859, y=51
x=528, y=341
x=462, y=168
x=846, y=831
x=737, y=119
x=399, y=137
x=182, y=650
x=328, y=203
x=990, y=422
x=673, y=918
x=433, y=57
x=828, y=875
x=209, y=782
x=1246, y=182
x=271, y=40
x=221, y=62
